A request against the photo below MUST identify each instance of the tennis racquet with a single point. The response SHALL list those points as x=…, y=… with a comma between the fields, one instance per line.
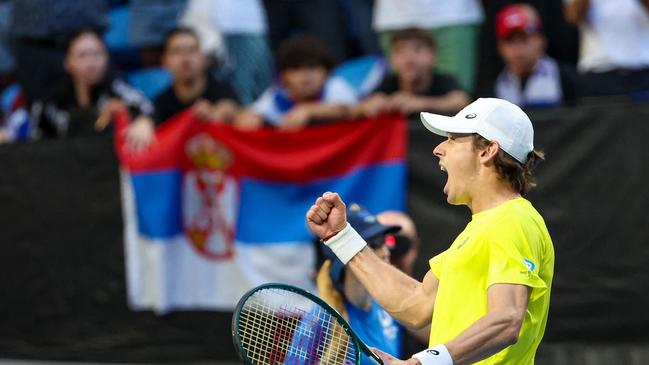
x=282, y=324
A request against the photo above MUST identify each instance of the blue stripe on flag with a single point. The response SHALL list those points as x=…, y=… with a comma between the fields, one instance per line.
x=275, y=212
x=158, y=203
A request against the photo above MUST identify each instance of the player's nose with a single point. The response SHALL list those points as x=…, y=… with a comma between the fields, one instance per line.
x=439, y=149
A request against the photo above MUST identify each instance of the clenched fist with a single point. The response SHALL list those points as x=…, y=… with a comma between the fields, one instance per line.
x=327, y=216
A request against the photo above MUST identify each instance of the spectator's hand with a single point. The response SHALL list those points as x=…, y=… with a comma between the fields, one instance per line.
x=106, y=113
x=224, y=111
x=404, y=102
x=296, y=118
x=248, y=120
x=327, y=216
x=391, y=360
x=202, y=110
x=4, y=136
x=140, y=134
x=374, y=105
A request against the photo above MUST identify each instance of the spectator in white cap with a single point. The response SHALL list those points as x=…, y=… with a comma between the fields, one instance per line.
x=487, y=296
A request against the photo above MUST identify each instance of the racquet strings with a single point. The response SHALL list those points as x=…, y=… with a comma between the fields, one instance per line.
x=278, y=326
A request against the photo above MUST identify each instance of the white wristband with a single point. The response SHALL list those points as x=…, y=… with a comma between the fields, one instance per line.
x=436, y=355
x=346, y=243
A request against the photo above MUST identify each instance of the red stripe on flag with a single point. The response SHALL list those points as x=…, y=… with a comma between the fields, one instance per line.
x=316, y=152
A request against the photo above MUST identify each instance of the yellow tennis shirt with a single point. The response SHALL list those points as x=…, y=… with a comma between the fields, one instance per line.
x=508, y=244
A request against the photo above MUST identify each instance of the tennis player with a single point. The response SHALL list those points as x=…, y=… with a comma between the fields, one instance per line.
x=487, y=296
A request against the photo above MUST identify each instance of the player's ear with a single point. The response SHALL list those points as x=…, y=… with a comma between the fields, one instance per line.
x=489, y=153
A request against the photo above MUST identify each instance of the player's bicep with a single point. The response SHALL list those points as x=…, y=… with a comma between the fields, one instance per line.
x=425, y=299
x=509, y=301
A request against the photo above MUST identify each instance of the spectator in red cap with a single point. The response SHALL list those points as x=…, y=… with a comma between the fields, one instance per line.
x=530, y=78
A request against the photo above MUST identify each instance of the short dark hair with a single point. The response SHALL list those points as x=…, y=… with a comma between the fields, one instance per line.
x=304, y=51
x=416, y=34
x=518, y=175
x=182, y=30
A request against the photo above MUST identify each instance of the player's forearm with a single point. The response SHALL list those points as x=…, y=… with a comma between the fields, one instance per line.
x=487, y=336
x=395, y=291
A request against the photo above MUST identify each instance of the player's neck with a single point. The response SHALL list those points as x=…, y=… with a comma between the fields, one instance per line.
x=491, y=195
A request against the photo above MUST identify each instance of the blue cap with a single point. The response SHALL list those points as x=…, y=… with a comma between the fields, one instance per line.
x=366, y=224
x=368, y=227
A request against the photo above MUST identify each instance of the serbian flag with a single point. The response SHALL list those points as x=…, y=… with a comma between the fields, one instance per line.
x=211, y=211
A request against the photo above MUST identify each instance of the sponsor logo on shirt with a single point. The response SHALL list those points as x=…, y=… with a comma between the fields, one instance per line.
x=466, y=239
x=529, y=264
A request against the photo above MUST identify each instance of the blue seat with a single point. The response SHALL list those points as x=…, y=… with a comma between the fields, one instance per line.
x=117, y=40
x=151, y=81
x=364, y=74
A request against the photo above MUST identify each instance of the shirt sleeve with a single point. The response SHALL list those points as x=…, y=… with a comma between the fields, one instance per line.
x=511, y=262
x=265, y=106
x=136, y=101
x=436, y=264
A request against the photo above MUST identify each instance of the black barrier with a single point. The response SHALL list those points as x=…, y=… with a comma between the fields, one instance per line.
x=62, y=281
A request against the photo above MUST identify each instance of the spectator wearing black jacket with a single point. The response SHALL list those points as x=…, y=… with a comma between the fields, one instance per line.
x=84, y=101
x=192, y=84
x=414, y=86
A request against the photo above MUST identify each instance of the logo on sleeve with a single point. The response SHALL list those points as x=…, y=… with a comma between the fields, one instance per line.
x=529, y=264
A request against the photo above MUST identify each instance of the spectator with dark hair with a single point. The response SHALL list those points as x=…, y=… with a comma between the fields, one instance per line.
x=304, y=92
x=192, y=84
x=41, y=31
x=84, y=102
x=454, y=24
x=530, y=78
x=414, y=86
x=614, y=50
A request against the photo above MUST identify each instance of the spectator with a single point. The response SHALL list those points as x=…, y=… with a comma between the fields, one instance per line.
x=42, y=29
x=454, y=24
x=304, y=93
x=241, y=28
x=83, y=103
x=151, y=20
x=342, y=290
x=530, y=78
x=192, y=85
x=404, y=244
x=413, y=86
x=326, y=18
x=614, y=53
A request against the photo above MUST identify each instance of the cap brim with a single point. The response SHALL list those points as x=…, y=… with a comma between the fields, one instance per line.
x=378, y=230
x=442, y=125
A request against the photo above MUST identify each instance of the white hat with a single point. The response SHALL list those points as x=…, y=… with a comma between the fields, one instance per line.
x=494, y=119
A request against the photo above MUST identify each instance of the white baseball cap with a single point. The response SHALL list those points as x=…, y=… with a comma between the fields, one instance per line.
x=494, y=119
